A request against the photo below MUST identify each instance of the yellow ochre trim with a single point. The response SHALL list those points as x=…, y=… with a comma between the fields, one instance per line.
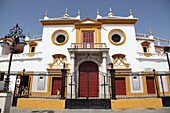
x=159, y=85
x=147, y=54
x=136, y=103
x=58, y=22
x=93, y=26
x=87, y=29
x=59, y=31
x=59, y=55
x=50, y=79
x=30, y=73
x=168, y=79
x=40, y=94
x=40, y=103
x=99, y=35
x=127, y=82
x=145, y=43
x=93, y=23
x=145, y=91
x=119, y=57
x=30, y=54
x=32, y=43
x=151, y=74
x=117, y=30
x=117, y=21
x=77, y=35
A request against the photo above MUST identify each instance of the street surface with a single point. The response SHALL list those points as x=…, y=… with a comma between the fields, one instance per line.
x=136, y=110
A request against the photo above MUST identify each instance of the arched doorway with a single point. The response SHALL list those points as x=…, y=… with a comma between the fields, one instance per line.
x=88, y=79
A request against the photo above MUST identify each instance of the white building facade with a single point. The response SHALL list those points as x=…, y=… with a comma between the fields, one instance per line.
x=87, y=47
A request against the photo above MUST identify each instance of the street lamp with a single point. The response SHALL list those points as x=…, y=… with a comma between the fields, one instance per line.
x=166, y=51
x=13, y=39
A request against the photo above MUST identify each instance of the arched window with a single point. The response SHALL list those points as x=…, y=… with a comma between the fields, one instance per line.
x=145, y=45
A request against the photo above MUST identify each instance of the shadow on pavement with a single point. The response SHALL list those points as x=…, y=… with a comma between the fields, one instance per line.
x=44, y=111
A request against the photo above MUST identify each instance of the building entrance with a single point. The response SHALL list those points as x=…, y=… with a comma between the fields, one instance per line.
x=88, y=79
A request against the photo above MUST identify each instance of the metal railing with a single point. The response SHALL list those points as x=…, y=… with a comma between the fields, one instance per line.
x=88, y=45
x=158, y=40
x=141, y=85
x=127, y=85
x=151, y=55
x=21, y=56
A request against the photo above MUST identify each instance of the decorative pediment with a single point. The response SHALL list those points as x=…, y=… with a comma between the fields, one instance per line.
x=88, y=22
x=145, y=43
x=58, y=62
x=119, y=62
x=32, y=43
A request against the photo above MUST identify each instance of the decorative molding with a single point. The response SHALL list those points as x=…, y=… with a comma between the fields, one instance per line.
x=119, y=43
x=53, y=38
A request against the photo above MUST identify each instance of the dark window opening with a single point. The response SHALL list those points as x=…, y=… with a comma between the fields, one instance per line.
x=145, y=49
x=60, y=38
x=1, y=77
x=116, y=38
x=41, y=77
x=32, y=49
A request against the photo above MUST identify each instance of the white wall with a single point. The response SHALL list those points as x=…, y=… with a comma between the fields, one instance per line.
x=128, y=48
x=49, y=49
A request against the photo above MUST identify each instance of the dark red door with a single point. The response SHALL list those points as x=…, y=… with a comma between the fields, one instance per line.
x=120, y=86
x=150, y=85
x=88, y=79
x=88, y=39
x=56, y=86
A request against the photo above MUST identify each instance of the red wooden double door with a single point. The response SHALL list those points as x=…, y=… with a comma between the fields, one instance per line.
x=88, y=79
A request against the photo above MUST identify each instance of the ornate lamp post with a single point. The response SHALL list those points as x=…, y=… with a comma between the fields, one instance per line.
x=13, y=39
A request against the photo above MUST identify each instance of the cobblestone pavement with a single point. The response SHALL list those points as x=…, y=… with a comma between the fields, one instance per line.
x=136, y=110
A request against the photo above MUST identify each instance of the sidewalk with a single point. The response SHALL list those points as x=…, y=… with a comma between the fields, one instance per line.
x=138, y=110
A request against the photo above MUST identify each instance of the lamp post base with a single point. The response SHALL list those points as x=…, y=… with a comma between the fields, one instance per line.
x=6, y=85
x=5, y=102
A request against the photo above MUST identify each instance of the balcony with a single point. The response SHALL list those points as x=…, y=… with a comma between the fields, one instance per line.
x=20, y=57
x=88, y=47
x=151, y=56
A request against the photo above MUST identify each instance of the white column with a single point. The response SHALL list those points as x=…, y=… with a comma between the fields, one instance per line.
x=104, y=63
x=72, y=60
x=71, y=80
x=104, y=70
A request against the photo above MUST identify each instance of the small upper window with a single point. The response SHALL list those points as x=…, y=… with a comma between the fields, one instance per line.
x=145, y=46
x=32, y=45
x=145, y=49
x=32, y=49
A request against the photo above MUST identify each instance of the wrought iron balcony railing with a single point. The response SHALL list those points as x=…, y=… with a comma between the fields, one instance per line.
x=88, y=45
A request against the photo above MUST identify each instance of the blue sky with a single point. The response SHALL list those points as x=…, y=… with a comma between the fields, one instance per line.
x=151, y=14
